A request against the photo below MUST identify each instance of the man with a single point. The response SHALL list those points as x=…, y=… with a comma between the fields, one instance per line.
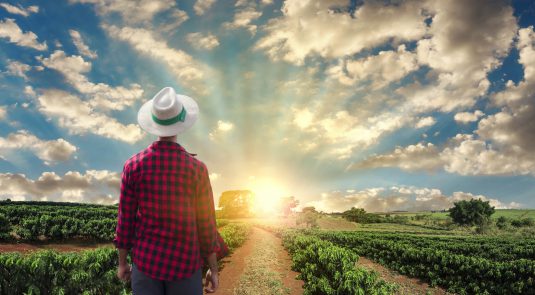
x=166, y=208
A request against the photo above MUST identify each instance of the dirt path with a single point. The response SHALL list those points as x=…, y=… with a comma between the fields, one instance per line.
x=407, y=285
x=260, y=266
x=70, y=247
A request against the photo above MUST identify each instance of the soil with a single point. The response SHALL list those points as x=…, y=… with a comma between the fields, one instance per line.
x=236, y=264
x=412, y=286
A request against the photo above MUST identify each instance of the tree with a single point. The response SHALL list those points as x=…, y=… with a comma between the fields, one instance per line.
x=236, y=203
x=473, y=212
x=286, y=204
x=355, y=215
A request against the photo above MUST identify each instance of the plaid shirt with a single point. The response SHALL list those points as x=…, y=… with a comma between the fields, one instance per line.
x=166, y=212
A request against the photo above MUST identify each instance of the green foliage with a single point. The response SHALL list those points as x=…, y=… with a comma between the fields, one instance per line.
x=473, y=212
x=236, y=203
x=464, y=265
x=62, y=221
x=5, y=227
x=87, y=272
x=328, y=269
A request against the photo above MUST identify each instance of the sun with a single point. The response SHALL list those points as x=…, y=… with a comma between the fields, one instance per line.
x=267, y=195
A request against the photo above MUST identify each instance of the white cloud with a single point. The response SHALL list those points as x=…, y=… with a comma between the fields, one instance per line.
x=176, y=18
x=411, y=158
x=397, y=198
x=19, y=9
x=132, y=11
x=83, y=49
x=344, y=132
x=425, y=122
x=50, y=151
x=243, y=19
x=19, y=69
x=202, y=41
x=78, y=117
x=201, y=6
x=28, y=90
x=378, y=70
x=467, y=117
x=188, y=71
x=316, y=27
x=476, y=157
x=222, y=128
x=10, y=30
x=3, y=112
x=102, y=96
x=93, y=186
x=462, y=154
x=466, y=41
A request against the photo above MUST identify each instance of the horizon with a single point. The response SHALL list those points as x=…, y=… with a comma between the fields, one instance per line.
x=406, y=106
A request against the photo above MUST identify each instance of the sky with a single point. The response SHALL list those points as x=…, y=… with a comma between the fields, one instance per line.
x=381, y=105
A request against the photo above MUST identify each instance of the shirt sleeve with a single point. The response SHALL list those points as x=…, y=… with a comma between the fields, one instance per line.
x=126, y=218
x=205, y=213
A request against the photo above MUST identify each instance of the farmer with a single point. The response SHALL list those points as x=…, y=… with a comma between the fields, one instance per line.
x=166, y=209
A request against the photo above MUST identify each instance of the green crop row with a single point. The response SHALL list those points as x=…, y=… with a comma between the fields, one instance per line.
x=88, y=272
x=329, y=269
x=462, y=274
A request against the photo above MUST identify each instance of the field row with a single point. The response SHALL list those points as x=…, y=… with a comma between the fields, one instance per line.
x=87, y=272
x=448, y=261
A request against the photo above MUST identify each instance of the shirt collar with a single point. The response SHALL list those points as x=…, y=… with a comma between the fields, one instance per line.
x=161, y=144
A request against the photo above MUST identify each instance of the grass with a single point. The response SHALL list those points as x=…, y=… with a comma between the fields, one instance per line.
x=261, y=275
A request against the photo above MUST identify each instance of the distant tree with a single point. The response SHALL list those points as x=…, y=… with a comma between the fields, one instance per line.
x=236, y=203
x=473, y=212
x=286, y=204
x=309, y=209
x=502, y=222
x=309, y=218
x=355, y=215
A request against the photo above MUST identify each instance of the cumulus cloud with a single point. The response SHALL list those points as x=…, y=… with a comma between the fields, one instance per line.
x=176, y=18
x=514, y=126
x=201, y=6
x=345, y=132
x=50, y=151
x=464, y=154
x=467, y=117
x=19, y=9
x=317, y=27
x=17, y=68
x=466, y=41
x=397, y=198
x=132, y=11
x=93, y=186
x=3, y=112
x=243, y=19
x=413, y=157
x=78, y=117
x=10, y=30
x=425, y=122
x=188, y=71
x=102, y=96
x=222, y=128
x=81, y=46
x=202, y=41
x=377, y=70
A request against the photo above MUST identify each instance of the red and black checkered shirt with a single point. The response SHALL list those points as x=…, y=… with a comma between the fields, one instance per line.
x=166, y=212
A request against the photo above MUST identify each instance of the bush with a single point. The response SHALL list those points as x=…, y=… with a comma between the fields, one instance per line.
x=473, y=212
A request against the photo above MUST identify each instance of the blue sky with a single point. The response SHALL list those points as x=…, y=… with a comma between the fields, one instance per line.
x=406, y=106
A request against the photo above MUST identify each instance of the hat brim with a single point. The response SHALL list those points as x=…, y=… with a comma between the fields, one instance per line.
x=144, y=118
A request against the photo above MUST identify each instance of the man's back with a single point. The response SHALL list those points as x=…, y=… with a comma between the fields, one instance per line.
x=167, y=211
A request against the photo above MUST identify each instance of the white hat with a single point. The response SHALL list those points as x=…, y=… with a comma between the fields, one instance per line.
x=168, y=113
